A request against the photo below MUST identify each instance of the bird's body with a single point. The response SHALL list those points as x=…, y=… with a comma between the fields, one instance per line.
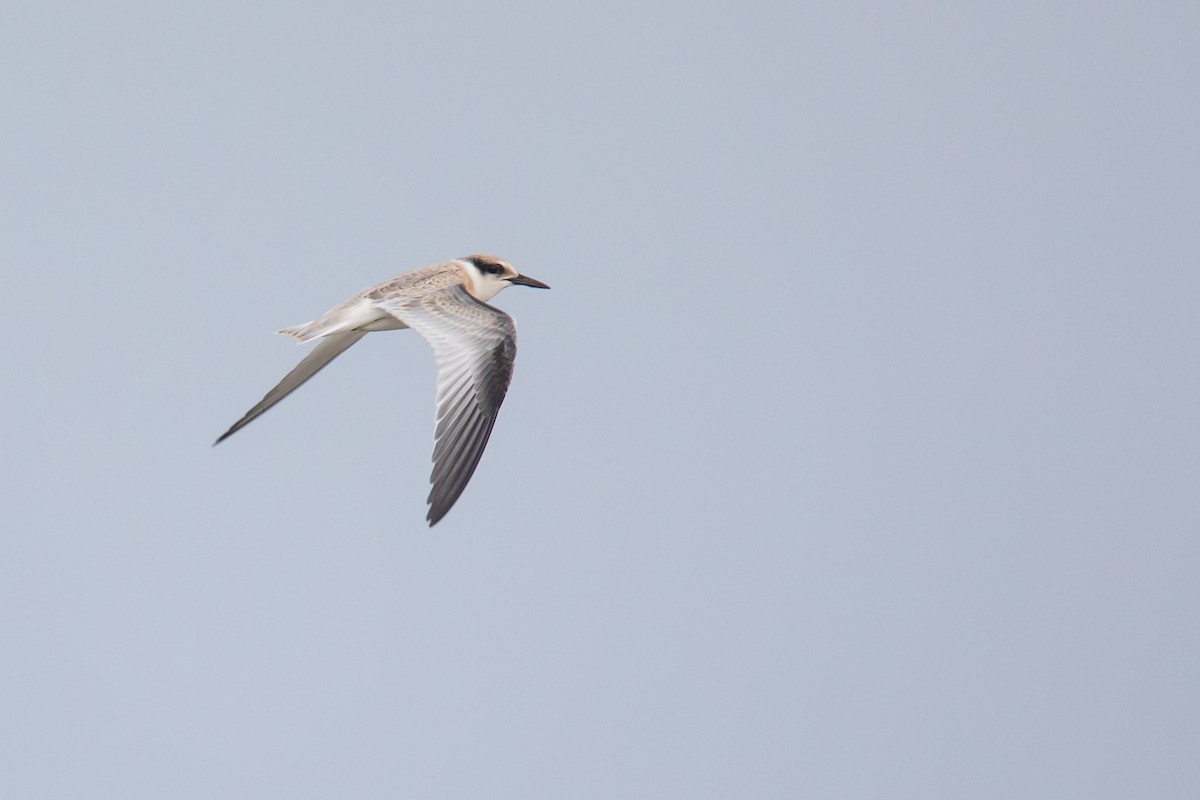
x=474, y=344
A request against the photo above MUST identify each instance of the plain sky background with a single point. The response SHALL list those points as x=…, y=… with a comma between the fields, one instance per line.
x=854, y=453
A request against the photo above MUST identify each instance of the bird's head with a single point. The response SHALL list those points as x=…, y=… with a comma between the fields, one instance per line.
x=488, y=275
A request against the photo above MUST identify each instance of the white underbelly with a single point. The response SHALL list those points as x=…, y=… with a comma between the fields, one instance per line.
x=388, y=323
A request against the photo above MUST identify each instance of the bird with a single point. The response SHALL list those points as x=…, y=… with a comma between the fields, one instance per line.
x=473, y=342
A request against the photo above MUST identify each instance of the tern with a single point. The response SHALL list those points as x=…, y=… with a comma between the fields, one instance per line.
x=474, y=344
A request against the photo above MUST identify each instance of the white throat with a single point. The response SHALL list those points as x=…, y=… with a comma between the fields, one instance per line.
x=483, y=287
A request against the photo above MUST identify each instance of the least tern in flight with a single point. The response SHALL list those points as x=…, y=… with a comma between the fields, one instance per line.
x=474, y=345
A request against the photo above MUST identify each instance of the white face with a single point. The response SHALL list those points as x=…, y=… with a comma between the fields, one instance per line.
x=489, y=277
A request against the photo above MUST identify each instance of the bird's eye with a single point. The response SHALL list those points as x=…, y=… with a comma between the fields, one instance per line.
x=488, y=267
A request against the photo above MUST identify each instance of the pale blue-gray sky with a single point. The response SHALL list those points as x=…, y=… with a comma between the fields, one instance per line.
x=854, y=453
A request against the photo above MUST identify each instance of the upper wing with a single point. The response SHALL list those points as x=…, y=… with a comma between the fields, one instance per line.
x=329, y=348
x=475, y=345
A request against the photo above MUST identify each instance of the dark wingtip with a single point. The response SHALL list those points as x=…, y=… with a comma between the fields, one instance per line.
x=226, y=434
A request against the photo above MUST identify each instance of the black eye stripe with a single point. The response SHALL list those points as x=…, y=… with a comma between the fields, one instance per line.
x=487, y=267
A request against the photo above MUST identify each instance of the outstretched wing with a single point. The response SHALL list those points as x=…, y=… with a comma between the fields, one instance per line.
x=329, y=348
x=475, y=345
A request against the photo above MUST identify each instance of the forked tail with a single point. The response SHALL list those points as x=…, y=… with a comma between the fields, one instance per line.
x=302, y=333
